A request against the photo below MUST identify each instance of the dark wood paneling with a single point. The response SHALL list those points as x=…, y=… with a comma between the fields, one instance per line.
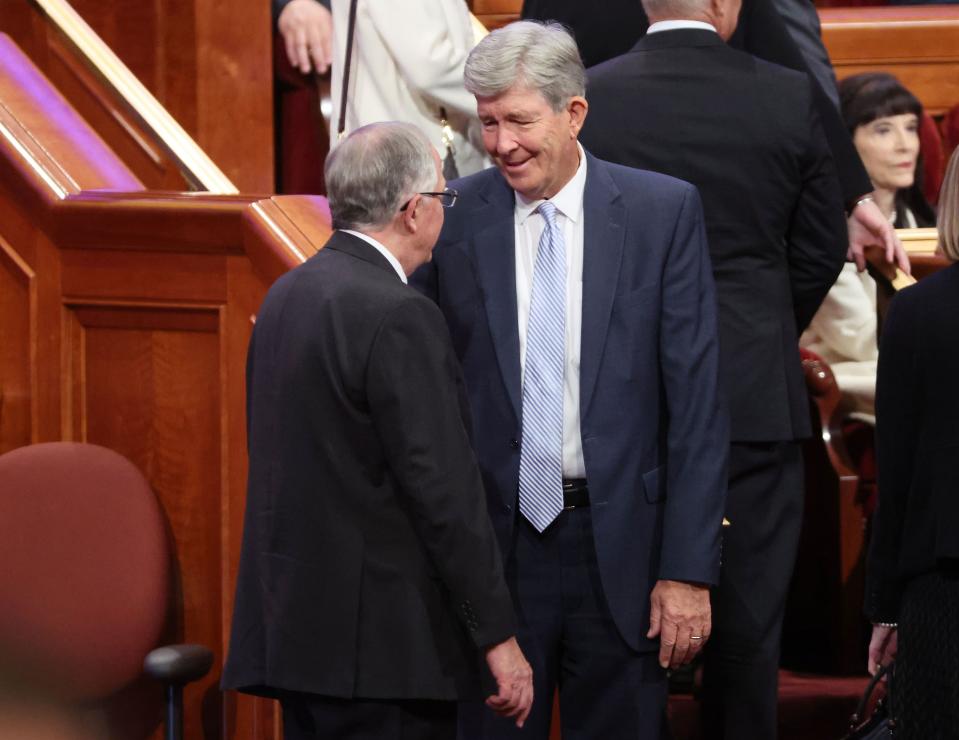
x=117, y=274
x=129, y=314
x=17, y=312
x=920, y=45
x=147, y=382
x=207, y=62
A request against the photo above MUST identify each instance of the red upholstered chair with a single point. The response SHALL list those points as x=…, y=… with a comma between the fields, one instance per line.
x=85, y=579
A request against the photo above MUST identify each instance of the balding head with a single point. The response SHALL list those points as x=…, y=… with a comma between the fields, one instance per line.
x=377, y=168
x=722, y=14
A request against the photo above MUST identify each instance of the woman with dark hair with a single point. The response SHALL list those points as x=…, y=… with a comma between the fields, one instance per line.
x=912, y=574
x=883, y=119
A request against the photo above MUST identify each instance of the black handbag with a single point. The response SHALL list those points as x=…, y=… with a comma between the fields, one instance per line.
x=881, y=724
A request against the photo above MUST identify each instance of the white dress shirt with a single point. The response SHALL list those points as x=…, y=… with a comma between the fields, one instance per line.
x=381, y=249
x=528, y=227
x=673, y=25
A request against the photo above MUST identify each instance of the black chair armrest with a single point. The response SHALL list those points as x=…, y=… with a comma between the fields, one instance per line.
x=178, y=664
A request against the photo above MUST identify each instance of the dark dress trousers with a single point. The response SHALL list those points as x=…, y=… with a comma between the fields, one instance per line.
x=368, y=568
x=654, y=433
x=912, y=574
x=761, y=32
x=746, y=134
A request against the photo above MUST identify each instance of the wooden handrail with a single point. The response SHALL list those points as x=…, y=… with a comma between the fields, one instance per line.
x=197, y=168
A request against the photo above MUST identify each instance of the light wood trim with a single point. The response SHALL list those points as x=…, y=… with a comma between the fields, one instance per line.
x=193, y=162
x=918, y=241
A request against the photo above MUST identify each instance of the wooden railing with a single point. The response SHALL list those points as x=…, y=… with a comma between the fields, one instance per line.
x=189, y=107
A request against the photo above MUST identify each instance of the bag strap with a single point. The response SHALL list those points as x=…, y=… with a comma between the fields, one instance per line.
x=867, y=694
x=350, y=31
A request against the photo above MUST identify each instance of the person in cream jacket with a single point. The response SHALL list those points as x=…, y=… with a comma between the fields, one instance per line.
x=407, y=65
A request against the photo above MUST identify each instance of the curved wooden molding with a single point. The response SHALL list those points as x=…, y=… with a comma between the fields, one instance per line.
x=195, y=165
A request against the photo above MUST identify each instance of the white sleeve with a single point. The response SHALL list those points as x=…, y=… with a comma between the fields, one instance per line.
x=429, y=41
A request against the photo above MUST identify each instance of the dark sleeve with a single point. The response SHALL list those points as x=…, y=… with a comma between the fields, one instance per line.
x=816, y=240
x=414, y=390
x=897, y=432
x=802, y=22
x=698, y=431
x=762, y=33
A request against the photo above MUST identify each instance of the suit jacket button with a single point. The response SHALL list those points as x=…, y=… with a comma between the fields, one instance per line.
x=507, y=508
x=514, y=443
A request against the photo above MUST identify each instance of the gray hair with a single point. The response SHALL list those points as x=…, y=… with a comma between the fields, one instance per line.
x=949, y=210
x=540, y=56
x=377, y=168
x=675, y=8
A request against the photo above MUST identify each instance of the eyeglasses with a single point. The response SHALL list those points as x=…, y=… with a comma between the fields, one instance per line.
x=447, y=198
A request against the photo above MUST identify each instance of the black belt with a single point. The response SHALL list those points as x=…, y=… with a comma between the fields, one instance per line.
x=575, y=493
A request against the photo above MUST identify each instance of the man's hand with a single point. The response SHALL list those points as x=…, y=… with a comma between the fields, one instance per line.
x=307, y=30
x=868, y=228
x=882, y=647
x=680, y=615
x=514, y=678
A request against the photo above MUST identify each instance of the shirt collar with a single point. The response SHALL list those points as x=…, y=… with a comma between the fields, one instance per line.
x=568, y=201
x=381, y=249
x=675, y=25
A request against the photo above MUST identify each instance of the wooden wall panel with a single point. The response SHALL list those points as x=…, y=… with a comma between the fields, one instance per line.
x=146, y=380
x=17, y=315
x=209, y=63
x=496, y=13
x=127, y=316
x=920, y=45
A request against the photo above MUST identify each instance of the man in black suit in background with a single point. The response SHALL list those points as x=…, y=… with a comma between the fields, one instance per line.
x=366, y=537
x=784, y=32
x=746, y=134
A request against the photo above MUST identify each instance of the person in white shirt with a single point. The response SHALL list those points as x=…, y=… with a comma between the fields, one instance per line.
x=407, y=65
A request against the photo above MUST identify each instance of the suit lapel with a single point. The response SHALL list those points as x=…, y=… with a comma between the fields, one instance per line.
x=604, y=232
x=494, y=247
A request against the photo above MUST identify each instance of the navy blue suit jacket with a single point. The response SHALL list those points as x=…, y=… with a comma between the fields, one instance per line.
x=654, y=428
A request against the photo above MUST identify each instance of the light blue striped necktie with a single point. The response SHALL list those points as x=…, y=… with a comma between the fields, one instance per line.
x=541, y=454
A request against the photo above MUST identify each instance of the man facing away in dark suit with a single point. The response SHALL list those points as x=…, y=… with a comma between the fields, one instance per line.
x=581, y=304
x=746, y=134
x=369, y=573
x=784, y=32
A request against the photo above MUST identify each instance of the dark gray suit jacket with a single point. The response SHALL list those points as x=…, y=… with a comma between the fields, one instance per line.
x=368, y=565
x=746, y=134
x=917, y=434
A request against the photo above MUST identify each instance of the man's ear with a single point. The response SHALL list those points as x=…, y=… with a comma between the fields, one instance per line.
x=577, y=108
x=410, y=220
